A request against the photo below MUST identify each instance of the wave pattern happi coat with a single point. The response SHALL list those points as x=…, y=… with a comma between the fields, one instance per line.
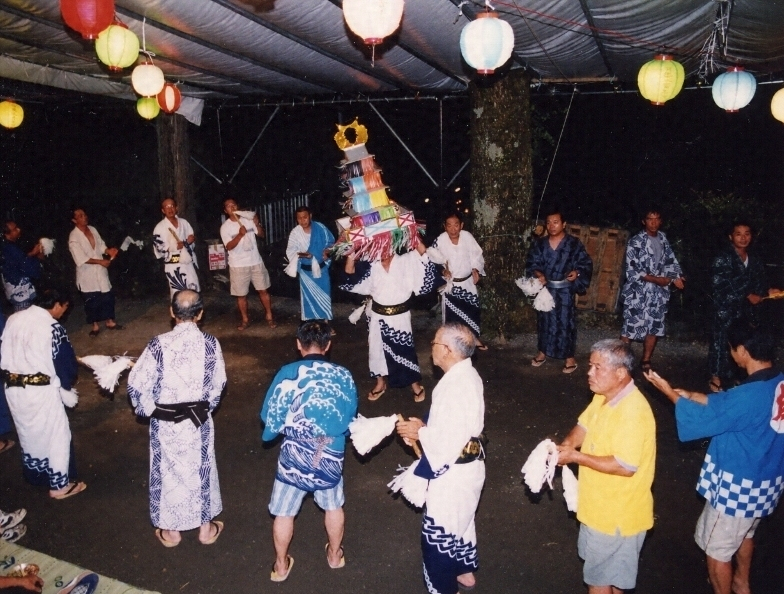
x=311, y=403
x=184, y=365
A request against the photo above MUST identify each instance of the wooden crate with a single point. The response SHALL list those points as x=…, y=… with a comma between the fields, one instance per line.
x=607, y=249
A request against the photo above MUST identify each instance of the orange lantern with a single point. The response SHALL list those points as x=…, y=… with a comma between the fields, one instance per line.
x=88, y=17
x=11, y=114
x=169, y=98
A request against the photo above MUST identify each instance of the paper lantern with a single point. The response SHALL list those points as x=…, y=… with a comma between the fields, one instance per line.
x=88, y=17
x=487, y=42
x=148, y=107
x=169, y=98
x=661, y=79
x=373, y=20
x=147, y=80
x=734, y=89
x=11, y=114
x=117, y=47
x=777, y=105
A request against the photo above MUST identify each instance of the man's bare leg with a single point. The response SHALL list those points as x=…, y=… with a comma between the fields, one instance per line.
x=467, y=579
x=740, y=580
x=242, y=305
x=334, y=522
x=282, y=533
x=648, y=345
x=604, y=590
x=266, y=302
x=720, y=575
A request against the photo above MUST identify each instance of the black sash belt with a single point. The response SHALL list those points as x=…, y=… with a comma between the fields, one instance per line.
x=473, y=450
x=173, y=259
x=390, y=310
x=20, y=380
x=309, y=267
x=198, y=412
x=460, y=280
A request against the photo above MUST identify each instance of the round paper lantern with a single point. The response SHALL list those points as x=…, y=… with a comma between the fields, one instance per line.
x=147, y=80
x=777, y=105
x=373, y=20
x=734, y=89
x=11, y=114
x=169, y=98
x=88, y=17
x=117, y=47
x=487, y=42
x=661, y=79
x=148, y=107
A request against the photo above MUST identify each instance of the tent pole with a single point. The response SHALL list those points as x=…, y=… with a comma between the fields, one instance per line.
x=231, y=179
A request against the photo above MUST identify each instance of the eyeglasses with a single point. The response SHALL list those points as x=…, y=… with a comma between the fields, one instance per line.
x=433, y=343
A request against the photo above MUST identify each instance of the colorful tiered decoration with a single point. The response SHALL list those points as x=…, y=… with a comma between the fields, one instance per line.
x=375, y=226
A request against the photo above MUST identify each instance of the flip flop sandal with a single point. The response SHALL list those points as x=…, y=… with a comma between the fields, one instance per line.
x=14, y=533
x=12, y=519
x=341, y=563
x=94, y=333
x=272, y=323
x=276, y=577
x=218, y=529
x=714, y=386
x=116, y=327
x=569, y=368
x=6, y=444
x=538, y=362
x=419, y=396
x=74, y=489
x=84, y=583
x=243, y=325
x=374, y=395
x=167, y=543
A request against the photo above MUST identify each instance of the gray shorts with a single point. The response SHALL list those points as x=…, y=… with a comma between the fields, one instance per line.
x=287, y=499
x=720, y=535
x=609, y=560
x=242, y=276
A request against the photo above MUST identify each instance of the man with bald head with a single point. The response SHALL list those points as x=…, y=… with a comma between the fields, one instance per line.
x=177, y=382
x=452, y=461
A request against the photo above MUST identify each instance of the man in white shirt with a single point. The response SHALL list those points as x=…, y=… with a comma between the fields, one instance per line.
x=172, y=241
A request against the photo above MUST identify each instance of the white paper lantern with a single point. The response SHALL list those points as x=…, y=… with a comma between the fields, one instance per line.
x=734, y=89
x=147, y=80
x=487, y=42
x=373, y=20
x=777, y=105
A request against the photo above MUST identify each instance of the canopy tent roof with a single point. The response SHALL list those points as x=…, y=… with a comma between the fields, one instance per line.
x=259, y=49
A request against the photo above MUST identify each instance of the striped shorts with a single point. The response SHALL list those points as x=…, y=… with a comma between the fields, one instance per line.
x=287, y=499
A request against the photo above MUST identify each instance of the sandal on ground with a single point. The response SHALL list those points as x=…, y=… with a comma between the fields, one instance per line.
x=646, y=366
x=116, y=327
x=374, y=395
x=6, y=444
x=714, y=386
x=538, y=362
x=569, y=368
x=11, y=519
x=14, y=533
x=73, y=489
x=276, y=577
x=94, y=333
x=243, y=325
x=272, y=323
x=341, y=563
x=420, y=396
x=218, y=529
x=167, y=543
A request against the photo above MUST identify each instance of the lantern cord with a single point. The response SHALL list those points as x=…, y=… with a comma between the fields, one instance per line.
x=460, y=11
x=144, y=41
x=539, y=43
x=566, y=117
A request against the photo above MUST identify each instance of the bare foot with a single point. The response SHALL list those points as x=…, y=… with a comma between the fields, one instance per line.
x=739, y=588
x=467, y=580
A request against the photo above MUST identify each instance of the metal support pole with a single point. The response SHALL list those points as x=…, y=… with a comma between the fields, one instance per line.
x=207, y=171
x=254, y=144
x=459, y=171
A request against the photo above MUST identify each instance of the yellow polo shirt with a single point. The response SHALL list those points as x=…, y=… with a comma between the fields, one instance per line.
x=623, y=428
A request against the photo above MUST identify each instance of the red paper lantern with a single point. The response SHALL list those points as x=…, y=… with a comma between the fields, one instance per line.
x=88, y=17
x=169, y=98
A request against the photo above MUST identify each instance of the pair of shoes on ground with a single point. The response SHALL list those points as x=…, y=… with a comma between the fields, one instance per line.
x=6, y=444
x=95, y=333
x=270, y=322
x=536, y=362
x=73, y=489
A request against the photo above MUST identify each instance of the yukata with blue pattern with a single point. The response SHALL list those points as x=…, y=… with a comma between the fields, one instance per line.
x=557, y=328
x=179, y=264
x=33, y=342
x=448, y=529
x=311, y=403
x=742, y=474
x=315, y=293
x=644, y=303
x=19, y=271
x=390, y=337
x=182, y=366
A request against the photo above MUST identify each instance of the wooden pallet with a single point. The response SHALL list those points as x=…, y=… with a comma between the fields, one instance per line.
x=607, y=249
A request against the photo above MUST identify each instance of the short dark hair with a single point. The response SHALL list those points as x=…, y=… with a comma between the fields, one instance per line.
x=740, y=223
x=303, y=208
x=453, y=215
x=314, y=333
x=47, y=298
x=651, y=209
x=76, y=207
x=554, y=210
x=186, y=305
x=759, y=343
x=168, y=198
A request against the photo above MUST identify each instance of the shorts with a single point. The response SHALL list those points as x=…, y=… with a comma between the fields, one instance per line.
x=610, y=560
x=720, y=535
x=287, y=499
x=242, y=276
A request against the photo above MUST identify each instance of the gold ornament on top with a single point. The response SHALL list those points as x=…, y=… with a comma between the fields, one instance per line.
x=343, y=142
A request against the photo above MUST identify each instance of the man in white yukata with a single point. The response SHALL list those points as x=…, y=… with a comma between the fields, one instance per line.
x=390, y=282
x=92, y=259
x=307, y=246
x=453, y=463
x=178, y=381
x=39, y=370
x=245, y=263
x=463, y=262
x=172, y=241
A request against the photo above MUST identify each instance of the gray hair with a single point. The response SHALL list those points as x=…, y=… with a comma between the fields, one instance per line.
x=186, y=305
x=616, y=352
x=459, y=339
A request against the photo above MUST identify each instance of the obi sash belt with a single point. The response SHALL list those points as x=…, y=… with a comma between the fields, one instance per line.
x=559, y=284
x=20, y=380
x=198, y=412
x=460, y=280
x=309, y=267
x=390, y=310
x=174, y=259
x=472, y=451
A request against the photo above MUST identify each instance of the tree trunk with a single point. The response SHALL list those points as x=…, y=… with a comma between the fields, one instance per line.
x=501, y=187
x=174, y=171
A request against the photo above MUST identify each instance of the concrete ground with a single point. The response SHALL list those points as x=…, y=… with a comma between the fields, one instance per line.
x=526, y=543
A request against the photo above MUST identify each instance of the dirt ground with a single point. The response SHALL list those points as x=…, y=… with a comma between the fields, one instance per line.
x=526, y=543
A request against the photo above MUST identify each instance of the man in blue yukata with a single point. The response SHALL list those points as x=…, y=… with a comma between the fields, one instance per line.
x=311, y=403
x=742, y=476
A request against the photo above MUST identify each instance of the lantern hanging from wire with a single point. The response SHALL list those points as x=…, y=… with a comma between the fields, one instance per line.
x=487, y=42
x=147, y=79
x=11, y=114
x=373, y=20
x=117, y=46
x=87, y=17
x=661, y=79
x=734, y=89
x=169, y=98
x=148, y=107
x=777, y=105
